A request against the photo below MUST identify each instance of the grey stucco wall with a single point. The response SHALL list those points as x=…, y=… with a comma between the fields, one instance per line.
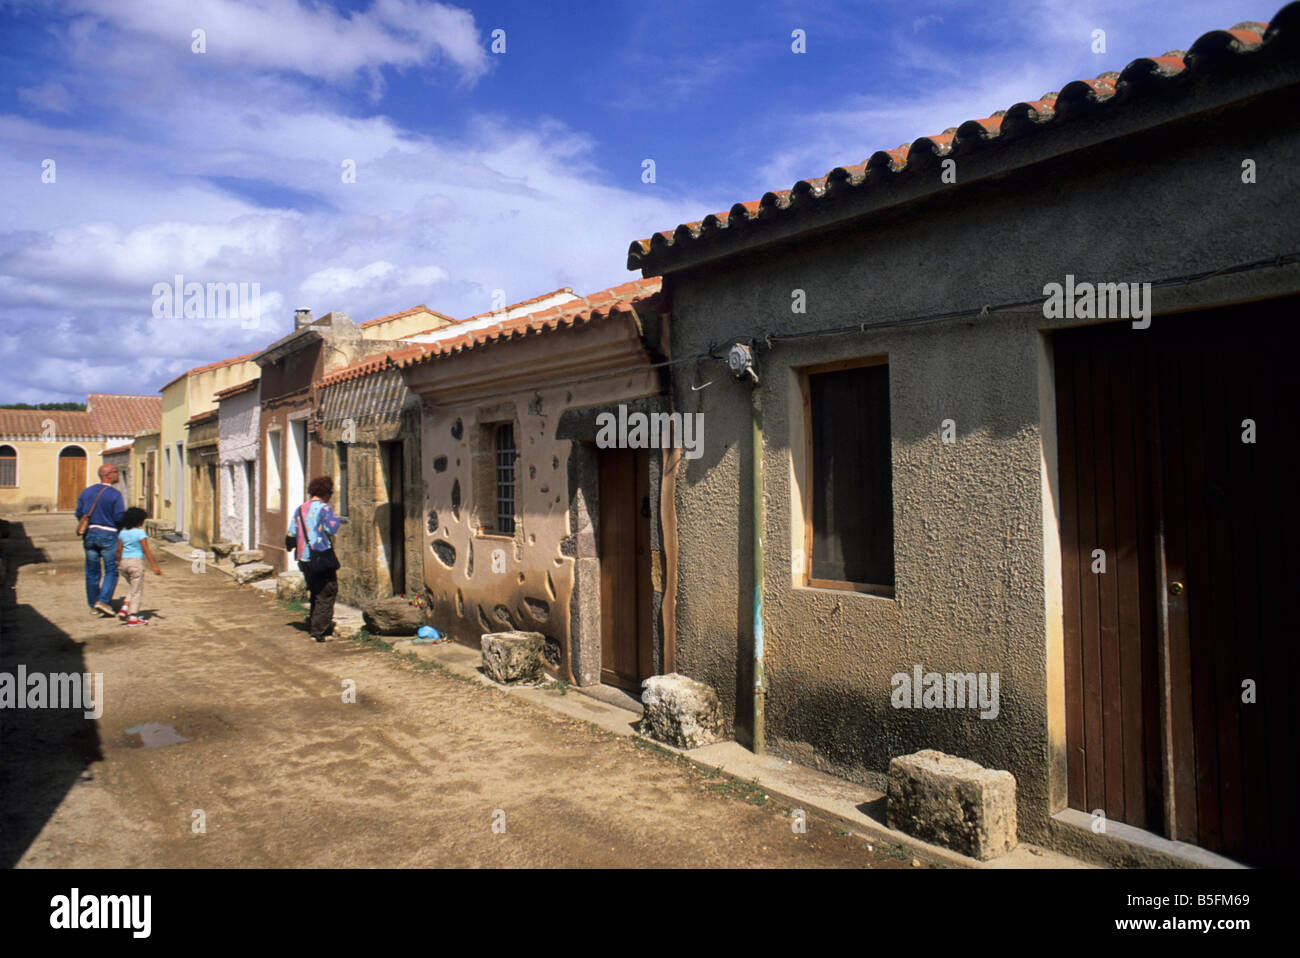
x=973, y=590
x=237, y=443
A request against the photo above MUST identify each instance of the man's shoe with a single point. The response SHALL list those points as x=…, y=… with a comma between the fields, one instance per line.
x=104, y=608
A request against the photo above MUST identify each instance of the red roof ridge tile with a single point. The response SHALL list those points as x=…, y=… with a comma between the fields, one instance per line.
x=1242, y=38
x=625, y=297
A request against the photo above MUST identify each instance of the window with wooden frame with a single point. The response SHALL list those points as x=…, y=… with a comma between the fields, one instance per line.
x=849, y=497
x=8, y=466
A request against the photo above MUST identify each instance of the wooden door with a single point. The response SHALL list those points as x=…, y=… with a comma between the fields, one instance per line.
x=1180, y=716
x=72, y=477
x=626, y=653
x=214, y=491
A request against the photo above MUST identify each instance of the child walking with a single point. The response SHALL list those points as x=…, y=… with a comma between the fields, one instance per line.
x=132, y=550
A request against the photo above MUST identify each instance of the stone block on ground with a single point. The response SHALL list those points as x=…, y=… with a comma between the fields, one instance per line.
x=393, y=616
x=680, y=711
x=953, y=802
x=348, y=622
x=221, y=550
x=245, y=556
x=514, y=657
x=245, y=574
x=291, y=586
x=156, y=528
x=265, y=586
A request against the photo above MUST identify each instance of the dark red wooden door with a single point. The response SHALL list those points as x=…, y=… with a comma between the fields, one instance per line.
x=626, y=655
x=1166, y=647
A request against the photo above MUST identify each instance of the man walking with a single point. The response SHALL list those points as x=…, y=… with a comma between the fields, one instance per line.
x=103, y=505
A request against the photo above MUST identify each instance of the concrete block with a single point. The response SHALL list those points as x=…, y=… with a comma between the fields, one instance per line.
x=245, y=556
x=245, y=574
x=680, y=711
x=513, y=657
x=953, y=802
x=291, y=586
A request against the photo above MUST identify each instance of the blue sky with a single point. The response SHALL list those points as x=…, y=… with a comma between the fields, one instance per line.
x=475, y=171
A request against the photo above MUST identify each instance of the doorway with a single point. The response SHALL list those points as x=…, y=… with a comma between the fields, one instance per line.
x=72, y=477
x=394, y=531
x=250, y=505
x=297, y=462
x=150, y=467
x=626, y=655
x=1180, y=716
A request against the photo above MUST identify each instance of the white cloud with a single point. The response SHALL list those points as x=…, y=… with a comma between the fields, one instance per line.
x=310, y=40
x=437, y=219
x=51, y=96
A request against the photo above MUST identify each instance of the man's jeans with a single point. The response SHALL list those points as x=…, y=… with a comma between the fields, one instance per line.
x=100, y=546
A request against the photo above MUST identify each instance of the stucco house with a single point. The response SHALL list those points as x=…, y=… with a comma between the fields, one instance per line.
x=144, y=469
x=981, y=454
x=291, y=447
x=190, y=394
x=238, y=421
x=527, y=523
x=369, y=424
x=48, y=457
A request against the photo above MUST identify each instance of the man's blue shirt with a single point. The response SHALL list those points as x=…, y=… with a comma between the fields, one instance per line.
x=108, y=511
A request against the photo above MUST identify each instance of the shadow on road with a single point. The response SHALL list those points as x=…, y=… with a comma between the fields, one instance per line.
x=44, y=751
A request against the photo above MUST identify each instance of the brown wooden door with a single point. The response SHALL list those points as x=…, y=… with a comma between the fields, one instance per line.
x=72, y=477
x=1162, y=647
x=626, y=653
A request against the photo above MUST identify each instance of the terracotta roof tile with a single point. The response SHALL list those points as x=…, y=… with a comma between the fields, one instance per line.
x=623, y=299
x=116, y=415
x=1207, y=55
x=30, y=424
x=209, y=367
x=116, y=449
x=235, y=390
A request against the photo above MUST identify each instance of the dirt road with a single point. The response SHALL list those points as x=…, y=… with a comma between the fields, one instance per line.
x=422, y=770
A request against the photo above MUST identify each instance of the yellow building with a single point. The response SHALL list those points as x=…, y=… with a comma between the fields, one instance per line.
x=188, y=395
x=48, y=457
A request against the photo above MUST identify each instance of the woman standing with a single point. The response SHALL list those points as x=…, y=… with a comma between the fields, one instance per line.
x=313, y=529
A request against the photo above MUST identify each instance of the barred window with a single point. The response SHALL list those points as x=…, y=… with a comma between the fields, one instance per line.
x=505, y=464
x=8, y=466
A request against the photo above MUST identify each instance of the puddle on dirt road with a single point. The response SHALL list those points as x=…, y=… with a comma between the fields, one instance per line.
x=156, y=735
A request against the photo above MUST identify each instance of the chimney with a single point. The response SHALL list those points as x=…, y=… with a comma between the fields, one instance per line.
x=301, y=317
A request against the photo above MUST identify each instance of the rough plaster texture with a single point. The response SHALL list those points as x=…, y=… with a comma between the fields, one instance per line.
x=481, y=582
x=237, y=423
x=973, y=591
